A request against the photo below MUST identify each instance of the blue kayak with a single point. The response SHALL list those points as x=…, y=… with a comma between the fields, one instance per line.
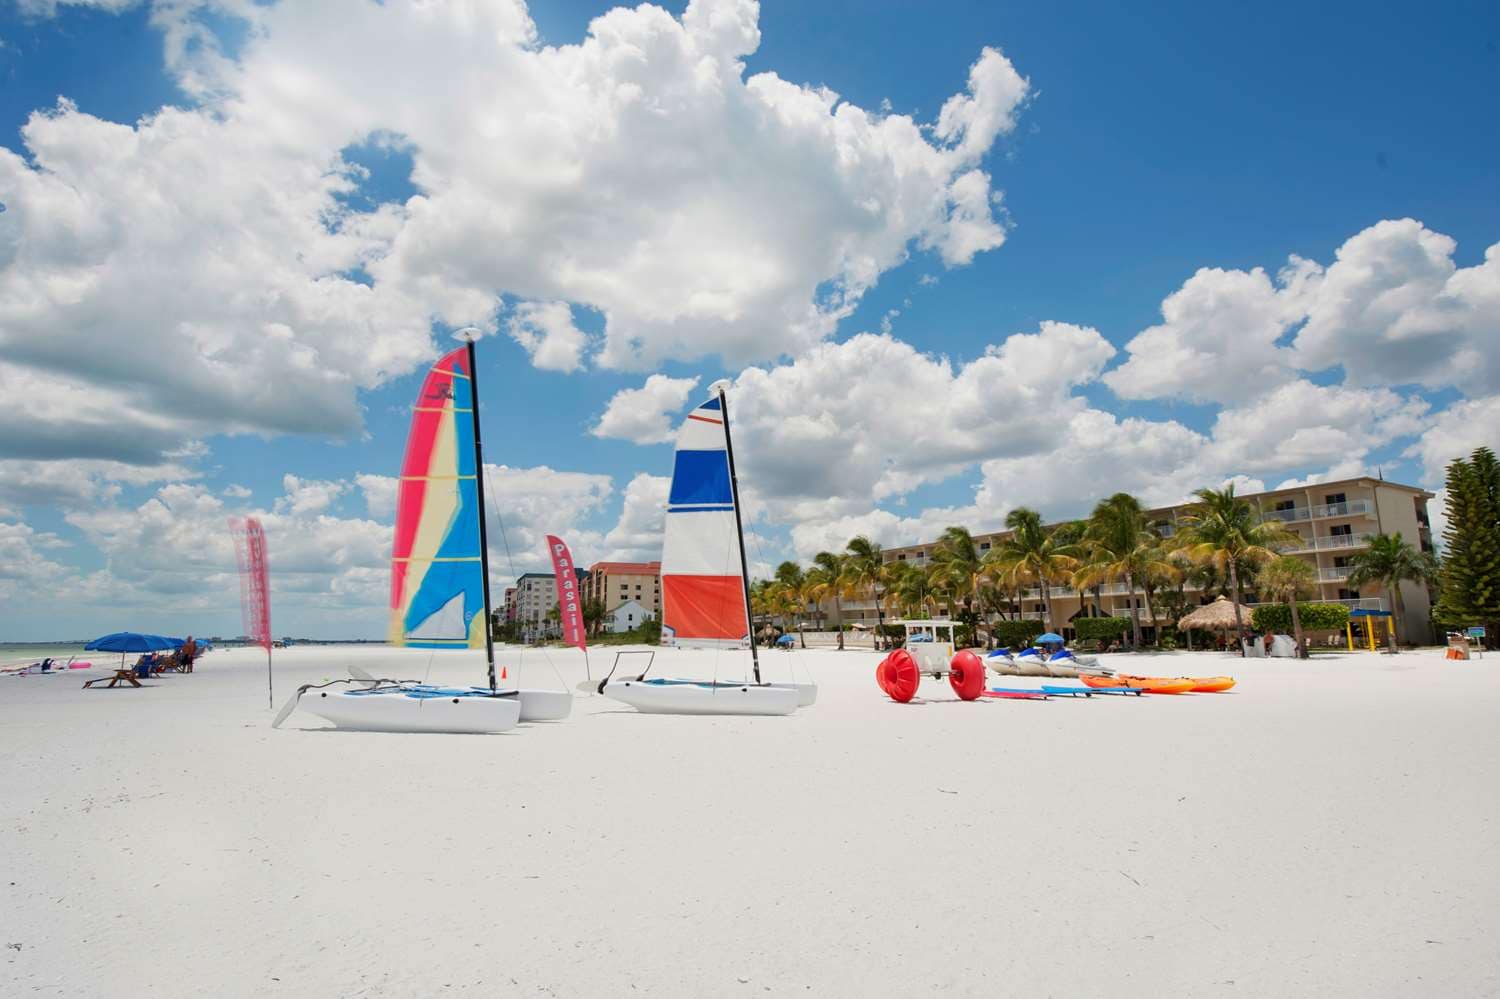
x=1053, y=691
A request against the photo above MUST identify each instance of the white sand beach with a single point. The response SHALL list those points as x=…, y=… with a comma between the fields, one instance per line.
x=1327, y=828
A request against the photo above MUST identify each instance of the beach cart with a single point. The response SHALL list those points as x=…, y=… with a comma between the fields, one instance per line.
x=929, y=651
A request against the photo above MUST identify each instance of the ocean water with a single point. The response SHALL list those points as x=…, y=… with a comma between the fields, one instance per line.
x=19, y=655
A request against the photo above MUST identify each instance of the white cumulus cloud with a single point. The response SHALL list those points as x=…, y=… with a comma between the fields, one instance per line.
x=646, y=415
x=546, y=331
x=1392, y=309
x=1455, y=433
x=847, y=424
x=216, y=273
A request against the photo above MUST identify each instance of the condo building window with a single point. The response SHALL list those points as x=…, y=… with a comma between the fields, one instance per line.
x=1341, y=530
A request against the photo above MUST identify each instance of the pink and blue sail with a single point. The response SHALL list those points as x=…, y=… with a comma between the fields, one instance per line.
x=437, y=564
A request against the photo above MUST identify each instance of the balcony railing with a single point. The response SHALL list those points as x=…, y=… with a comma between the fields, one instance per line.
x=1334, y=574
x=1292, y=514
x=1353, y=603
x=1362, y=603
x=1345, y=509
x=1328, y=542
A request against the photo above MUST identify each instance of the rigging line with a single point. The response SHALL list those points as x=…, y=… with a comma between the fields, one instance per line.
x=555, y=671
x=760, y=553
x=510, y=560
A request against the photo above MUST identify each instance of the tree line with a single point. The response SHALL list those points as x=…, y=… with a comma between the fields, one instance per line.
x=1220, y=544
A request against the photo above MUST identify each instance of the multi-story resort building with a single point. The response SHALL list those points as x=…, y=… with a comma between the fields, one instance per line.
x=614, y=583
x=1335, y=521
x=535, y=598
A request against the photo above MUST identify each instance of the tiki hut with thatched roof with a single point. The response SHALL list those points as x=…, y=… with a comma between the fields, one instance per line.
x=1217, y=616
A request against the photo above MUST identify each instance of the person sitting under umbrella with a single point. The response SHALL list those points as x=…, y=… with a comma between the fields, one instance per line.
x=1050, y=642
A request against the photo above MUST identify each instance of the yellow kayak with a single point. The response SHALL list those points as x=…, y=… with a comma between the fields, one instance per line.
x=1212, y=684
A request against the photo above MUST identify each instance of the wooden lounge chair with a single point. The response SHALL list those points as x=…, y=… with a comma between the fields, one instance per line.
x=121, y=676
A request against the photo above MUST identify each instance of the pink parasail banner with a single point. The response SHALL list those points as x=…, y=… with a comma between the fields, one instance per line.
x=569, y=603
x=255, y=584
x=255, y=587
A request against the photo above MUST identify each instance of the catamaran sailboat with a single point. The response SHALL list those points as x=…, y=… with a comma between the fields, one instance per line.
x=705, y=584
x=440, y=586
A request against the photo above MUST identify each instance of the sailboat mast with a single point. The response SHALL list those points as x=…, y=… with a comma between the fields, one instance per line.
x=484, y=541
x=739, y=534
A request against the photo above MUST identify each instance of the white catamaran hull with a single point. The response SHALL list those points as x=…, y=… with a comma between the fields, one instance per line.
x=545, y=705
x=693, y=698
x=400, y=712
x=807, y=693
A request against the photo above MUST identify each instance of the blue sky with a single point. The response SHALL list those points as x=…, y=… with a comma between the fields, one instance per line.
x=1148, y=144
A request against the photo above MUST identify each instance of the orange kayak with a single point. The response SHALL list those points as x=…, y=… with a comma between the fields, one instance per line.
x=1212, y=684
x=1150, y=684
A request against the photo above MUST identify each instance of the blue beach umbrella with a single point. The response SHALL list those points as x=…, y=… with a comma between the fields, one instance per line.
x=130, y=641
x=1050, y=636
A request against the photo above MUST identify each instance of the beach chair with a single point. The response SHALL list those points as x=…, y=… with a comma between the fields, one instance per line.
x=121, y=676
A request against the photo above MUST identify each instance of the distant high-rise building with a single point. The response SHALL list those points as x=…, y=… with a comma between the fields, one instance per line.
x=535, y=597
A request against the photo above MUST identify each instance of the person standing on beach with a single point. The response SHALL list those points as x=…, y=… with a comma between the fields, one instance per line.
x=189, y=651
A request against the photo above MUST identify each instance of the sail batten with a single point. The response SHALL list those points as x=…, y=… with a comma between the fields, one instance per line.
x=703, y=593
x=437, y=572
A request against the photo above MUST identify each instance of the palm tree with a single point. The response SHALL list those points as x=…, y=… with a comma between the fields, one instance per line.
x=825, y=579
x=958, y=568
x=1390, y=561
x=1120, y=543
x=594, y=613
x=790, y=583
x=991, y=597
x=1221, y=529
x=811, y=593
x=1032, y=553
x=1289, y=578
x=907, y=590
x=864, y=571
x=760, y=599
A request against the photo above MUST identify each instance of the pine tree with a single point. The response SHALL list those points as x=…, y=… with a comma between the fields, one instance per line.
x=1484, y=580
x=1471, y=543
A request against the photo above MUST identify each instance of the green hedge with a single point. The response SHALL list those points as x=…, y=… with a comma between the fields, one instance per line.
x=1315, y=617
x=1022, y=633
x=1100, y=629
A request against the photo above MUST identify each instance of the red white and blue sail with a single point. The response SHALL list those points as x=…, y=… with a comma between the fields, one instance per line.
x=437, y=574
x=702, y=586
